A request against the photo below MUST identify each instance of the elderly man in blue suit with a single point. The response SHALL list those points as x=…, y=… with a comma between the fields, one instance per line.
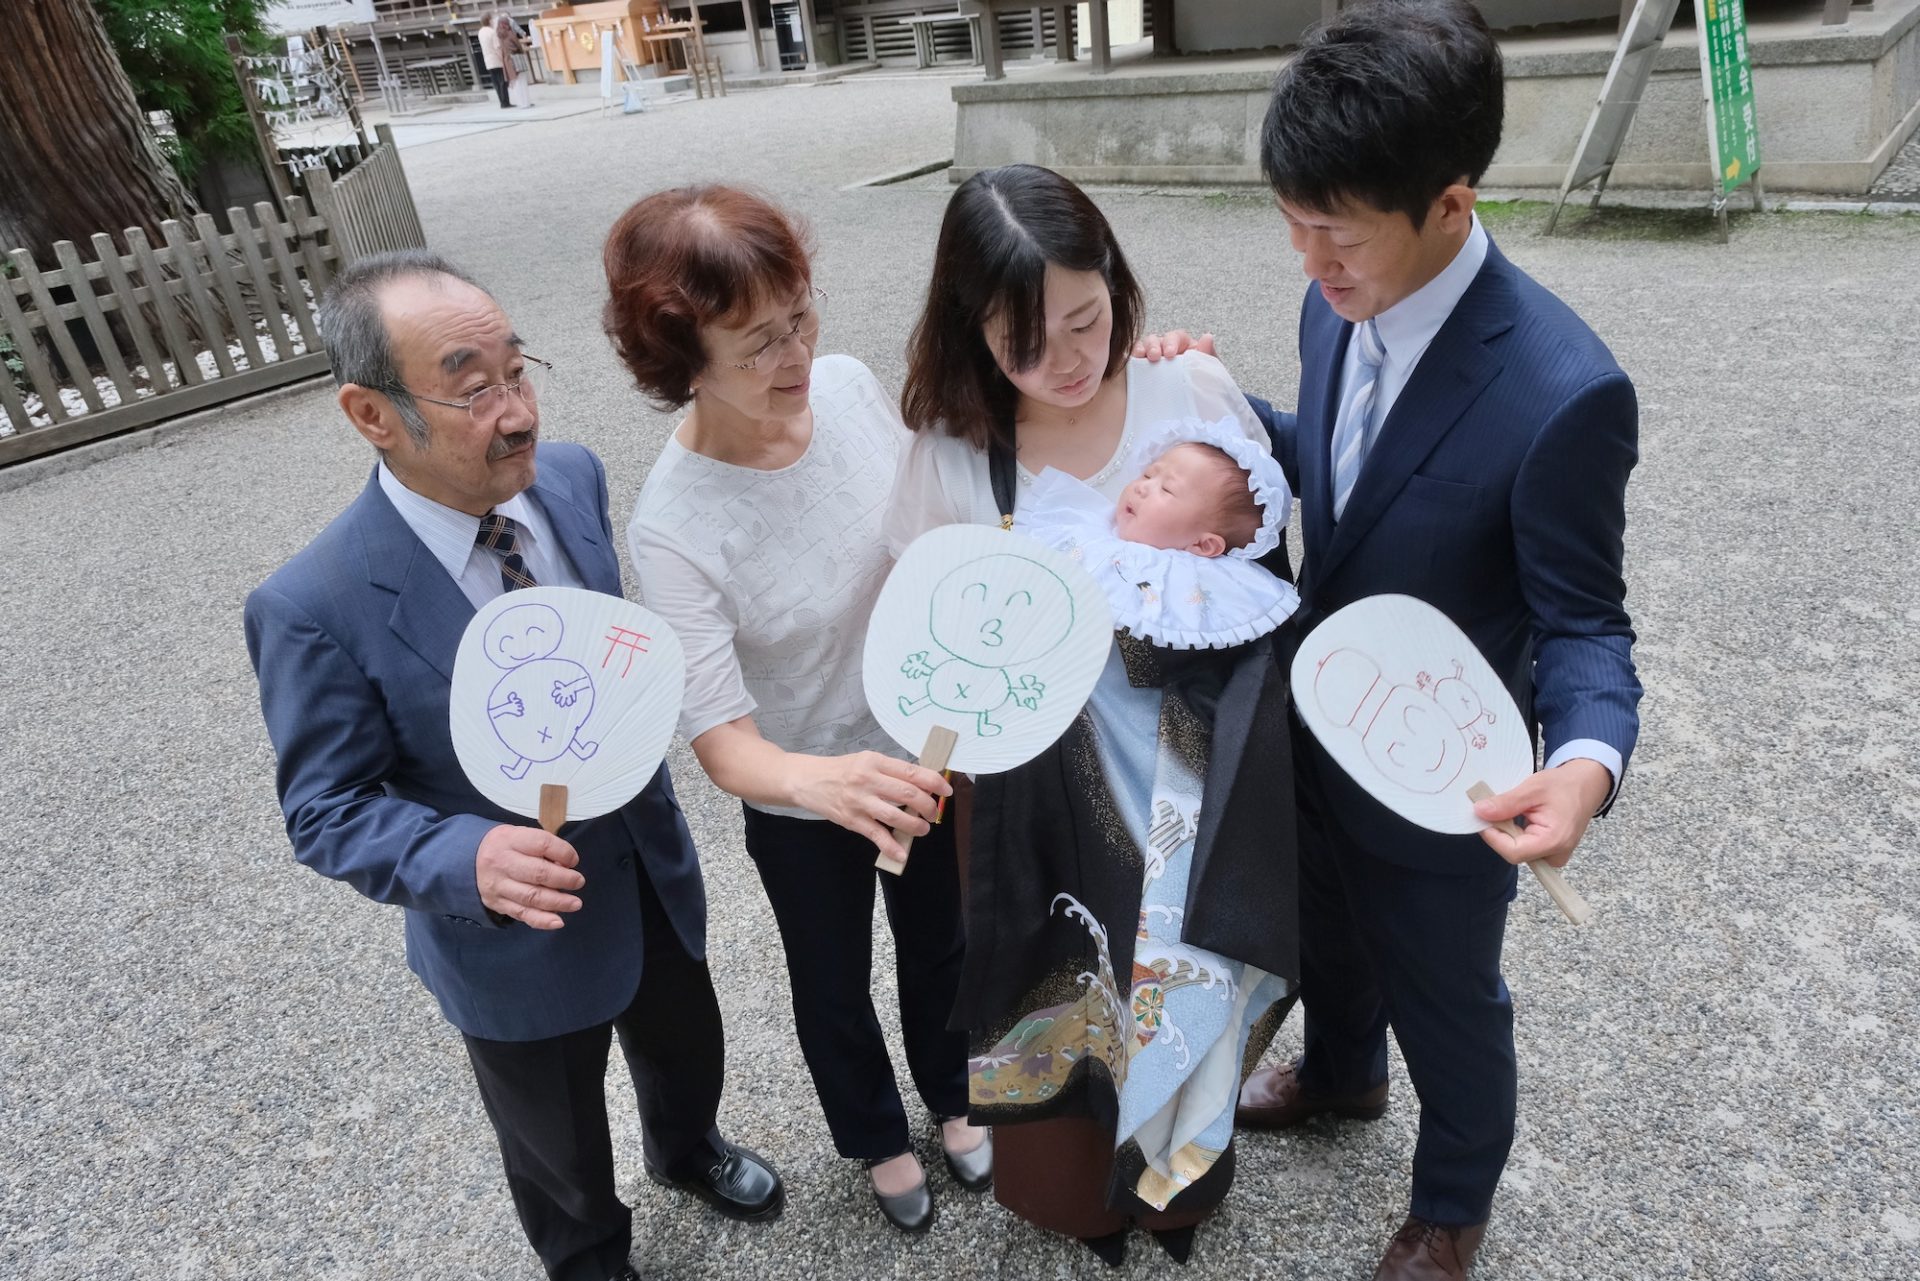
x=1461, y=437
x=539, y=948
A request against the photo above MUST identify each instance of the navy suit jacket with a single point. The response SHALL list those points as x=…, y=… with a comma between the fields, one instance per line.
x=353, y=641
x=1496, y=492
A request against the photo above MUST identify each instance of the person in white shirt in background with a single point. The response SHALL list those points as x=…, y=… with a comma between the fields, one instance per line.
x=499, y=41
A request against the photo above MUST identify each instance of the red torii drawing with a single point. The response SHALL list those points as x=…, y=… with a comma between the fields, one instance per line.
x=627, y=639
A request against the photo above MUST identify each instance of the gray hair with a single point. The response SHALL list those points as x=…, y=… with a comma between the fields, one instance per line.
x=354, y=327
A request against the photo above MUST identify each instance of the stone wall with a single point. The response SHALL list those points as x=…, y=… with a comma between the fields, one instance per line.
x=1835, y=105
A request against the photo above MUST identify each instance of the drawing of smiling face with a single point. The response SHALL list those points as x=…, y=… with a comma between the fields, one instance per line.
x=522, y=634
x=1001, y=611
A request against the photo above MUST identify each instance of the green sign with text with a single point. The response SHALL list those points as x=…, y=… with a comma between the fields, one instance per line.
x=1729, y=75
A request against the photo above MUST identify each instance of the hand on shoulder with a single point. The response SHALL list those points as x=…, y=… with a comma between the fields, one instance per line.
x=1154, y=348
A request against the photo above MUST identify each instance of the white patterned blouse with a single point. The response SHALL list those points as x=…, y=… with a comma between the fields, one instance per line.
x=769, y=576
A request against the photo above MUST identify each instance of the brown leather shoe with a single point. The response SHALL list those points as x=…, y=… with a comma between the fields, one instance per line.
x=1423, y=1251
x=1273, y=1099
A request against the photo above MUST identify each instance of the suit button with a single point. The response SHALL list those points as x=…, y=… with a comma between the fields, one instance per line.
x=626, y=860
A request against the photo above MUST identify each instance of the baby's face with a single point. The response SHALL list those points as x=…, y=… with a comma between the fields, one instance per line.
x=1174, y=502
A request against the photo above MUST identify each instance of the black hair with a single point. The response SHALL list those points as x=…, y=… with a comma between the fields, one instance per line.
x=1389, y=104
x=353, y=325
x=1002, y=227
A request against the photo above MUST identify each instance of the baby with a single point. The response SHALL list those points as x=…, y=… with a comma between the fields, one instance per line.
x=1177, y=552
x=1193, y=498
x=1170, y=997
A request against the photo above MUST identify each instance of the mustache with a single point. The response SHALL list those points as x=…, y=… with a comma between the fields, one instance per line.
x=505, y=445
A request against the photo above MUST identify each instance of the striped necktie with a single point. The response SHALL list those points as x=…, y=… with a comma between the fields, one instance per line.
x=502, y=534
x=1352, y=430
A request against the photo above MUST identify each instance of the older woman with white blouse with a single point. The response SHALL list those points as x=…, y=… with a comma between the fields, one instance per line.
x=757, y=535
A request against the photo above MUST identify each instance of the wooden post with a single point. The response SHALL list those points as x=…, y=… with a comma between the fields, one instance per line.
x=13, y=319
x=132, y=315
x=553, y=806
x=939, y=750
x=326, y=42
x=346, y=55
x=56, y=329
x=186, y=262
x=1564, y=895
x=262, y=135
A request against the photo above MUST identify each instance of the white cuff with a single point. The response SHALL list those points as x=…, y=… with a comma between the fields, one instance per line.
x=1591, y=749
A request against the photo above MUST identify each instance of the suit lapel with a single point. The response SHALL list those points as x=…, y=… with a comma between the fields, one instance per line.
x=430, y=612
x=578, y=530
x=1454, y=370
x=1320, y=403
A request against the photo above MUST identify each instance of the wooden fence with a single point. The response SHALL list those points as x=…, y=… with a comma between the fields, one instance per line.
x=370, y=207
x=124, y=340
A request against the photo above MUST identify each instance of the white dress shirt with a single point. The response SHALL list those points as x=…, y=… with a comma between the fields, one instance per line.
x=1406, y=330
x=1408, y=327
x=450, y=534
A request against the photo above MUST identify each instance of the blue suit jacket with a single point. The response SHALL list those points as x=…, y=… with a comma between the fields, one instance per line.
x=1496, y=492
x=353, y=641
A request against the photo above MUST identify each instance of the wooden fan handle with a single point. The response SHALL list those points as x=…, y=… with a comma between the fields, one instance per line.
x=553, y=806
x=1560, y=892
x=934, y=756
x=1564, y=896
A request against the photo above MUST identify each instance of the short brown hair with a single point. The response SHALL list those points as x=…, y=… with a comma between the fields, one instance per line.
x=1002, y=227
x=686, y=258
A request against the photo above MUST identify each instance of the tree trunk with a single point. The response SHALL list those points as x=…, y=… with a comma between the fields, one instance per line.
x=76, y=154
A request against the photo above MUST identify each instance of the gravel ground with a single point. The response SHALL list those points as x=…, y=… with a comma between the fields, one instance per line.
x=216, y=1064
x=1900, y=180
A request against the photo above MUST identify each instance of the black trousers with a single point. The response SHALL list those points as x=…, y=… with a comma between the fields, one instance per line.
x=499, y=78
x=547, y=1101
x=819, y=879
x=1382, y=945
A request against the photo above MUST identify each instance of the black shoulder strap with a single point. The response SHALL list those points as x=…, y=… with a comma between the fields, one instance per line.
x=1000, y=474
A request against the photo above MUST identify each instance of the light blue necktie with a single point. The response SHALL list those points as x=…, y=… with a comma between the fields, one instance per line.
x=1353, y=429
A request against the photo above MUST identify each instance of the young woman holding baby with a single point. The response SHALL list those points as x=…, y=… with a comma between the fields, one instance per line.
x=1123, y=938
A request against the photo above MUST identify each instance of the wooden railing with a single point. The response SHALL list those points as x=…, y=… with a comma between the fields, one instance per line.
x=124, y=339
x=370, y=207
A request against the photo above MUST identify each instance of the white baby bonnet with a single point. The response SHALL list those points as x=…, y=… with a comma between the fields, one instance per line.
x=1172, y=598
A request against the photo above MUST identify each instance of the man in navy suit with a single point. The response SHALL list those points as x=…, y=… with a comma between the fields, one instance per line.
x=539, y=948
x=1461, y=437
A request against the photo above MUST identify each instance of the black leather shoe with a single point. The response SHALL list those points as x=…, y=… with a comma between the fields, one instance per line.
x=910, y=1211
x=971, y=1170
x=738, y=1183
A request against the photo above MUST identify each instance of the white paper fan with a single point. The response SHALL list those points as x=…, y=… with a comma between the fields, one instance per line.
x=1409, y=707
x=989, y=634
x=559, y=685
